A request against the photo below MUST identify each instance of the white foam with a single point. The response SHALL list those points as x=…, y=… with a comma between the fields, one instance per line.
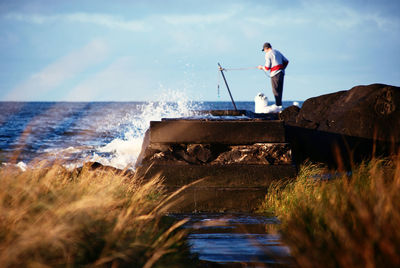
x=123, y=152
x=21, y=165
x=65, y=151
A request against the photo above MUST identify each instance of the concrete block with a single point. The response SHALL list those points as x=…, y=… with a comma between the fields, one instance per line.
x=219, y=175
x=217, y=199
x=224, y=132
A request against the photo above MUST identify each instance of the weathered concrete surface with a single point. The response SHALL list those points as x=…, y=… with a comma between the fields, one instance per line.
x=222, y=132
x=218, y=199
x=219, y=175
x=239, y=114
x=218, y=188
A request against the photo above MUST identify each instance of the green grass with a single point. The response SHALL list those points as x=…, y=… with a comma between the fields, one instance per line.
x=51, y=217
x=351, y=220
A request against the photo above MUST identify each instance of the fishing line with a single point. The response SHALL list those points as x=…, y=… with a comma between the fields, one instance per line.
x=219, y=81
x=233, y=69
x=239, y=69
x=242, y=69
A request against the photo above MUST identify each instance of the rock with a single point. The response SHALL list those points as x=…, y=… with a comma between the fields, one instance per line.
x=182, y=153
x=260, y=153
x=371, y=112
x=289, y=114
x=201, y=152
x=346, y=126
x=100, y=167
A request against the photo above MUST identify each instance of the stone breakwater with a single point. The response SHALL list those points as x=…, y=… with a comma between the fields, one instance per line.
x=237, y=154
x=236, y=160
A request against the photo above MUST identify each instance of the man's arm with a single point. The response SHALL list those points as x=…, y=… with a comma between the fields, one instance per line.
x=267, y=65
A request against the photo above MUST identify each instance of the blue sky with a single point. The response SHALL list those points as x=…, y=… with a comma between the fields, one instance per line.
x=133, y=50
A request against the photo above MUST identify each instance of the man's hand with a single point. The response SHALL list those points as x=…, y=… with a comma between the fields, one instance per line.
x=285, y=64
x=260, y=67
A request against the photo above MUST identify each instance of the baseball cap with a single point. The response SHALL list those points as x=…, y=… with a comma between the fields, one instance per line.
x=266, y=45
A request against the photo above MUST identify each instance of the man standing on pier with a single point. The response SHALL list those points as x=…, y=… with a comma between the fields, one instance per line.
x=276, y=63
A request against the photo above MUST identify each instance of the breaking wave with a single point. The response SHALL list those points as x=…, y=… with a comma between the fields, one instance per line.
x=122, y=152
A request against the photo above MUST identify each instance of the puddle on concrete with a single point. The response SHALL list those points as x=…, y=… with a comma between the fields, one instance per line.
x=236, y=239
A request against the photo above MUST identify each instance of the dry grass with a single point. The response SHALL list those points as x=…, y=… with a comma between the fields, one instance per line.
x=351, y=220
x=51, y=217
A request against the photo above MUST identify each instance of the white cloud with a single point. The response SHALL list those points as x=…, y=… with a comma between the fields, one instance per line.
x=327, y=15
x=106, y=20
x=116, y=22
x=199, y=19
x=59, y=72
x=202, y=32
x=109, y=21
x=278, y=20
x=118, y=81
x=346, y=17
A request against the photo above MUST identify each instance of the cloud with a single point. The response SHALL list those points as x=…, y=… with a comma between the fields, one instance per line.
x=120, y=81
x=344, y=16
x=59, y=72
x=199, y=31
x=279, y=20
x=109, y=21
x=199, y=19
x=327, y=15
x=116, y=22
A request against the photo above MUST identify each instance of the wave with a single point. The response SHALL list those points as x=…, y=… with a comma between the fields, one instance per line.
x=122, y=152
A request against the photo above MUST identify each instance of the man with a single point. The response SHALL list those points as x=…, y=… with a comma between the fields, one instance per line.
x=276, y=63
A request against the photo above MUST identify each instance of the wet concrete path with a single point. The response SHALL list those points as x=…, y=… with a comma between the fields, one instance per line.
x=239, y=240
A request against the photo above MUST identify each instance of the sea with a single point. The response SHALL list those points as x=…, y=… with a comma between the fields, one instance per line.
x=110, y=133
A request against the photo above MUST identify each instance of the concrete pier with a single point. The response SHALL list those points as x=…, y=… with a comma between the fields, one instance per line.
x=235, y=161
x=226, y=132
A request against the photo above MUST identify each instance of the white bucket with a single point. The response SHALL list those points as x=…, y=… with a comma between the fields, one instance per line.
x=261, y=103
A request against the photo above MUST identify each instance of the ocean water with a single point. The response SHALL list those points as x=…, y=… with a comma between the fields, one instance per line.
x=76, y=132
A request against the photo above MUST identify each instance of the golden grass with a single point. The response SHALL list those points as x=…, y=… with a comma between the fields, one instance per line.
x=51, y=217
x=351, y=220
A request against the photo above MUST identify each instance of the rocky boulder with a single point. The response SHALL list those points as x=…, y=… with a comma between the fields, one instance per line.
x=345, y=127
x=371, y=112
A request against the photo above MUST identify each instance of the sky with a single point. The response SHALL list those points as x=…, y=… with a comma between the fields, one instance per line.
x=99, y=50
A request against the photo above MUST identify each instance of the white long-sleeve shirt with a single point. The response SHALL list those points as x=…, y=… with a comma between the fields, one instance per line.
x=275, y=62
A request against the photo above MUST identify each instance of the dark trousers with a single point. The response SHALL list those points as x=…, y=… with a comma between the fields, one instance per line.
x=277, y=87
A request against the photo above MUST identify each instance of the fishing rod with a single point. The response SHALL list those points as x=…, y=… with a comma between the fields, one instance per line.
x=233, y=69
x=226, y=83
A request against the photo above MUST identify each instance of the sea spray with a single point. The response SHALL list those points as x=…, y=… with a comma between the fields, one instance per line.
x=122, y=152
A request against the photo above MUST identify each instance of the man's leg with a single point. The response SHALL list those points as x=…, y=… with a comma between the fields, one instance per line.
x=277, y=87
